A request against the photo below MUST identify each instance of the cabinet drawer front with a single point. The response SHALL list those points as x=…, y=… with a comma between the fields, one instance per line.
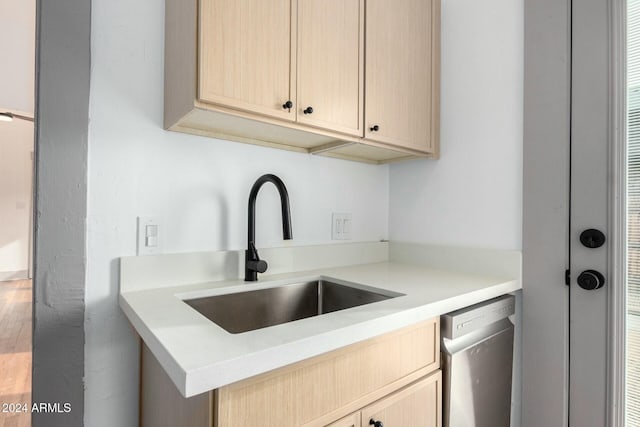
x=352, y=420
x=418, y=405
x=327, y=387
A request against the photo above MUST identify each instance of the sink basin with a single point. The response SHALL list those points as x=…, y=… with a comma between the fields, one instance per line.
x=246, y=311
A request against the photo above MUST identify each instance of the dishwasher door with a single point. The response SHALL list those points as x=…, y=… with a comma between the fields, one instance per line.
x=477, y=346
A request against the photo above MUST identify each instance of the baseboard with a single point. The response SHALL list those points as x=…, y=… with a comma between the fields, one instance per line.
x=6, y=276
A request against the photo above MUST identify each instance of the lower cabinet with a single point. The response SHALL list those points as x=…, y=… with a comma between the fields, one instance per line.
x=393, y=379
x=417, y=405
x=352, y=420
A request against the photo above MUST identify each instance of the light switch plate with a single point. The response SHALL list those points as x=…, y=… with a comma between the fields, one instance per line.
x=149, y=235
x=341, y=226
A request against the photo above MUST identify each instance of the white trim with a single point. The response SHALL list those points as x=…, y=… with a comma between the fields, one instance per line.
x=617, y=214
x=545, y=209
x=25, y=114
x=6, y=276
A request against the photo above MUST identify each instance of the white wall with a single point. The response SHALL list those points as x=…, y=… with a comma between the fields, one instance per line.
x=472, y=196
x=16, y=146
x=17, y=26
x=17, y=50
x=198, y=186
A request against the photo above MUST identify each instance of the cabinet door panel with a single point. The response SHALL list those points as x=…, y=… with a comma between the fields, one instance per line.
x=247, y=55
x=418, y=405
x=330, y=64
x=400, y=83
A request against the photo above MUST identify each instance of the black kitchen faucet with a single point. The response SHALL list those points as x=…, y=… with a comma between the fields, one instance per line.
x=252, y=262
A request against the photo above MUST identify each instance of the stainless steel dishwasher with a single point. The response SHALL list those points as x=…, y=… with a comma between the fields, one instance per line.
x=477, y=350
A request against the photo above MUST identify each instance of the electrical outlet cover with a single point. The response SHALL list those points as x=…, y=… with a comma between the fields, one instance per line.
x=341, y=226
x=149, y=235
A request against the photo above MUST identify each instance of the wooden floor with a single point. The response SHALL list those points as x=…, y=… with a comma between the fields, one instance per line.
x=15, y=352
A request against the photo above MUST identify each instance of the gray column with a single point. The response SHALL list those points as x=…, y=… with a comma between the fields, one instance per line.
x=63, y=57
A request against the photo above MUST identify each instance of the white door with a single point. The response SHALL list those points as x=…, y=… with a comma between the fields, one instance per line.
x=574, y=133
x=595, y=199
x=589, y=275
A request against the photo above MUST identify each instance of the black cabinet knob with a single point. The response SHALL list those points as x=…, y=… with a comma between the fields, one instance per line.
x=308, y=110
x=374, y=128
x=590, y=280
x=375, y=423
x=592, y=238
x=287, y=105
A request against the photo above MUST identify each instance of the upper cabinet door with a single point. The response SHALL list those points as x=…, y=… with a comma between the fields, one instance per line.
x=330, y=64
x=402, y=63
x=247, y=55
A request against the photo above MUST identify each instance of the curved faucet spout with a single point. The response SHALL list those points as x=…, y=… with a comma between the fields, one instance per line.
x=251, y=254
x=284, y=204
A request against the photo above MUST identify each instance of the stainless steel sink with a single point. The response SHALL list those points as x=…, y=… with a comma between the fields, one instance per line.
x=246, y=311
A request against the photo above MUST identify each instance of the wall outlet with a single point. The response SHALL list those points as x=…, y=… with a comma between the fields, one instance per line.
x=341, y=226
x=149, y=235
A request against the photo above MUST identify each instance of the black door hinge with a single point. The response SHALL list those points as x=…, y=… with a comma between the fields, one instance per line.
x=567, y=277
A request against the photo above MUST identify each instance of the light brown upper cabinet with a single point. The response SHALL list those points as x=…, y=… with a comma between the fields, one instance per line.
x=331, y=64
x=246, y=49
x=401, y=92
x=354, y=79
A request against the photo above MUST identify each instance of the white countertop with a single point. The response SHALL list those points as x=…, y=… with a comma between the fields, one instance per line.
x=200, y=356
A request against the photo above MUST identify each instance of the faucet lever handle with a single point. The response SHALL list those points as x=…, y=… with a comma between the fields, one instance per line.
x=260, y=265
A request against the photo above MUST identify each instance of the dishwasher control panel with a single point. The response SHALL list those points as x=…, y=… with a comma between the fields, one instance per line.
x=468, y=319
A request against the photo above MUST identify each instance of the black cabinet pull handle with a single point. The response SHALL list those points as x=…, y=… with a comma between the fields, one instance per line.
x=308, y=110
x=287, y=105
x=375, y=423
x=374, y=128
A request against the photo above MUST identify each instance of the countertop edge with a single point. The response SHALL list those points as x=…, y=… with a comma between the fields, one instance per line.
x=171, y=367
